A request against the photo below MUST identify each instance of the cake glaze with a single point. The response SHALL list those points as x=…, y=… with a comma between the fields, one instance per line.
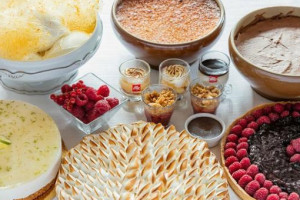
x=32, y=159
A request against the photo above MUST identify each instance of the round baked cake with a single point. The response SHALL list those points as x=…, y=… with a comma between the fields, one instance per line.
x=261, y=152
x=30, y=151
x=141, y=161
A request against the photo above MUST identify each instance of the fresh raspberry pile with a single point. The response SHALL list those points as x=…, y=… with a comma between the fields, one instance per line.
x=293, y=150
x=85, y=103
x=245, y=173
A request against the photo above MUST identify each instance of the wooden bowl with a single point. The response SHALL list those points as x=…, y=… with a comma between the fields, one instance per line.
x=155, y=53
x=271, y=85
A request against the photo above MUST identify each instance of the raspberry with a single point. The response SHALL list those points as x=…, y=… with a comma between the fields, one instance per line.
x=238, y=174
x=267, y=110
x=288, y=106
x=260, y=178
x=229, y=152
x=279, y=108
x=102, y=107
x=53, y=96
x=66, y=88
x=252, y=170
x=290, y=150
x=296, y=107
x=252, y=187
x=230, y=145
x=90, y=105
x=258, y=113
x=232, y=138
x=283, y=195
x=234, y=167
x=268, y=184
x=263, y=120
x=275, y=189
x=92, y=115
x=243, y=123
x=273, y=197
x=81, y=100
x=113, y=102
x=103, y=91
x=91, y=93
x=245, y=180
x=296, y=144
x=261, y=194
x=78, y=112
x=247, y=132
x=293, y=196
x=245, y=162
x=285, y=113
x=240, y=154
x=253, y=125
x=273, y=116
x=249, y=118
x=237, y=129
x=295, y=114
x=99, y=97
x=230, y=160
x=243, y=139
x=242, y=145
x=295, y=158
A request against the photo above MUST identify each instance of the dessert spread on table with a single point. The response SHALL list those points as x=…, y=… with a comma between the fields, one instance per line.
x=168, y=22
x=272, y=44
x=260, y=151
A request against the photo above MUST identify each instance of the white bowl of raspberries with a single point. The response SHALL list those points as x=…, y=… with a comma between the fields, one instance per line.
x=89, y=102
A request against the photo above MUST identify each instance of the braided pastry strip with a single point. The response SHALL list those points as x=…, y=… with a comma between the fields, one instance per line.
x=141, y=161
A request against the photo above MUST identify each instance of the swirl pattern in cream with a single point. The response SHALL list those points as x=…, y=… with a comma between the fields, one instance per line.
x=141, y=161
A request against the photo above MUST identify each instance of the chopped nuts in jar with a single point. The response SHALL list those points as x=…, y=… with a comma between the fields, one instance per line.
x=206, y=92
x=136, y=72
x=175, y=70
x=163, y=99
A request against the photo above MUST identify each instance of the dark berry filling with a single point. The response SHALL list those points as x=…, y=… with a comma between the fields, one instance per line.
x=268, y=150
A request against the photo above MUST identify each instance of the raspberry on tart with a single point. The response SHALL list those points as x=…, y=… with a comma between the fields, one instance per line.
x=268, y=150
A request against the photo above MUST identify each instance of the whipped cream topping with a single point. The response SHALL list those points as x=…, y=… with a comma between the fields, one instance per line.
x=272, y=44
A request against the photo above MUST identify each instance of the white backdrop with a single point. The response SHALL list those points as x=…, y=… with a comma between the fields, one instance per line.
x=111, y=53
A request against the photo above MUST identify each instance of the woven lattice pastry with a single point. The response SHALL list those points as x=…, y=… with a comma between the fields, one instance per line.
x=141, y=161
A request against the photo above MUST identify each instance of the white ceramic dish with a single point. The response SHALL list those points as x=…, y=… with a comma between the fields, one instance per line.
x=212, y=141
x=42, y=77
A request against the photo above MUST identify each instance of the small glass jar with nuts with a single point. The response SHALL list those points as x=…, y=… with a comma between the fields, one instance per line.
x=205, y=97
x=175, y=73
x=135, y=77
x=159, y=103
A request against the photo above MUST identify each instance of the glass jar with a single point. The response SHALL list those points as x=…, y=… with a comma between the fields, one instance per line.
x=175, y=73
x=214, y=67
x=134, y=78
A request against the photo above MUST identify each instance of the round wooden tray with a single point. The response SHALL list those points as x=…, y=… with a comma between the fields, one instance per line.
x=234, y=185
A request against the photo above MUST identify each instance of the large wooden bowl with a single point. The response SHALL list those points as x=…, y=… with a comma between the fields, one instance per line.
x=271, y=85
x=155, y=53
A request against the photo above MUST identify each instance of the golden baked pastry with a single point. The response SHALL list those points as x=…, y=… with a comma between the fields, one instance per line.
x=141, y=161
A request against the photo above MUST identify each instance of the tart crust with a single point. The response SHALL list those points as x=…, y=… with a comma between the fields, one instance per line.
x=232, y=182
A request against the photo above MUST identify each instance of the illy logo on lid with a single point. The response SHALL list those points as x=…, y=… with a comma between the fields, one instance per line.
x=213, y=79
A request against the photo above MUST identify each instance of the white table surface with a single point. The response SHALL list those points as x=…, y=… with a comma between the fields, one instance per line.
x=111, y=53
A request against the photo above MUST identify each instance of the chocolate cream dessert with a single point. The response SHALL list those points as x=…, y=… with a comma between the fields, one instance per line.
x=272, y=44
